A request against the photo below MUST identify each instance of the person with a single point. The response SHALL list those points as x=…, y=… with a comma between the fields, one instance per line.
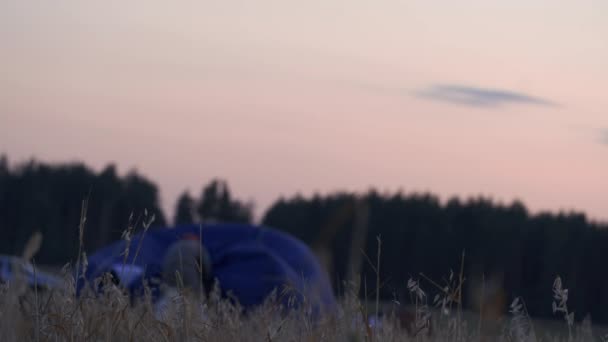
x=247, y=262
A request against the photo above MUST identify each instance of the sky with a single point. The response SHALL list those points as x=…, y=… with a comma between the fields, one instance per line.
x=505, y=99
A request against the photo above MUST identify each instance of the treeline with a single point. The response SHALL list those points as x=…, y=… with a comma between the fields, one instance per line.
x=49, y=198
x=519, y=253
x=39, y=197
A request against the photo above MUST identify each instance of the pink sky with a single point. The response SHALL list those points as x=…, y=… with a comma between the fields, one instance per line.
x=281, y=97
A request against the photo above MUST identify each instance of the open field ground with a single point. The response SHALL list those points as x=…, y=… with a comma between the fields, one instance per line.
x=59, y=315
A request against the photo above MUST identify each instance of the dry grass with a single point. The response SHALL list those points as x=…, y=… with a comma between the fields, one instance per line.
x=60, y=315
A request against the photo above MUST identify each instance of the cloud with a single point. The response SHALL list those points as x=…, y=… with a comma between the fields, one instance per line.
x=479, y=97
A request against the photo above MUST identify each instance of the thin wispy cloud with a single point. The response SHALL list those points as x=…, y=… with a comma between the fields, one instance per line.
x=479, y=97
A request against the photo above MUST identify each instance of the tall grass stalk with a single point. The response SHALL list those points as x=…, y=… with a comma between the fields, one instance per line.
x=378, y=276
x=81, y=224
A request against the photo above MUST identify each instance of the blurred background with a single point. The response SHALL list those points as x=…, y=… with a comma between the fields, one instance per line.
x=440, y=127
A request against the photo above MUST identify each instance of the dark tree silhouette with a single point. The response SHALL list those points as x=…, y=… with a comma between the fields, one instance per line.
x=184, y=210
x=39, y=197
x=419, y=234
x=521, y=252
x=216, y=204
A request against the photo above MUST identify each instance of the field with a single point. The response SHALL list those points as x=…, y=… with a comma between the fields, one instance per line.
x=59, y=315
x=36, y=314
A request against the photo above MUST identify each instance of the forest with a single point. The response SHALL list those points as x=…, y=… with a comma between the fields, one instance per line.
x=420, y=236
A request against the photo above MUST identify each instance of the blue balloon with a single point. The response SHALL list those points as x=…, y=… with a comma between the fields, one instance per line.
x=248, y=262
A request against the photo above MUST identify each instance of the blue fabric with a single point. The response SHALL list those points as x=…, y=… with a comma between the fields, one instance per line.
x=248, y=261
